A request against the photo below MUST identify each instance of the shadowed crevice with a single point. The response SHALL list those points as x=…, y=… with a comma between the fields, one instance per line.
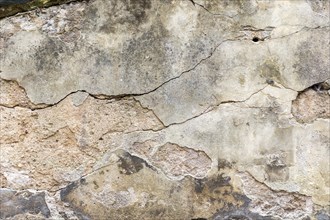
x=12, y=7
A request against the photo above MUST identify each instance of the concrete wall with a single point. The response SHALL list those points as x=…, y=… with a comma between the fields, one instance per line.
x=149, y=109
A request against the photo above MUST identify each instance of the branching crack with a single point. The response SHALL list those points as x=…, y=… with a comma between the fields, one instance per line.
x=213, y=107
x=133, y=95
x=207, y=110
x=121, y=96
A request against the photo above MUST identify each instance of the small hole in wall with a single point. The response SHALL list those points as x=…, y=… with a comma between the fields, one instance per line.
x=255, y=39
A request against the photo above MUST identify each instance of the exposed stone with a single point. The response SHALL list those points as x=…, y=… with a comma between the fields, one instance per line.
x=12, y=95
x=241, y=214
x=181, y=161
x=174, y=160
x=147, y=109
x=70, y=142
x=270, y=153
x=129, y=164
x=14, y=202
x=280, y=204
x=111, y=193
x=322, y=216
x=11, y=7
x=312, y=104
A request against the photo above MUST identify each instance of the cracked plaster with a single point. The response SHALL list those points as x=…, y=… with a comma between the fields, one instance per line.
x=190, y=104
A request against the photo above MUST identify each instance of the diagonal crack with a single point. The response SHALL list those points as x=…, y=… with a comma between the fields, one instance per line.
x=83, y=176
x=304, y=28
x=213, y=107
x=212, y=13
x=191, y=69
x=206, y=111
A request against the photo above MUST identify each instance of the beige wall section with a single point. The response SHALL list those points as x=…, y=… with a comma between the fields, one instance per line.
x=146, y=109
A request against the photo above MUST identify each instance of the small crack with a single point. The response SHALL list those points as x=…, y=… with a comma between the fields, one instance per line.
x=189, y=70
x=285, y=87
x=81, y=177
x=304, y=28
x=29, y=105
x=248, y=173
x=213, y=107
x=212, y=13
x=254, y=29
x=151, y=110
x=269, y=29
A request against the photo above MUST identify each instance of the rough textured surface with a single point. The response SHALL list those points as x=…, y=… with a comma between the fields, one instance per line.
x=11, y=7
x=311, y=104
x=124, y=195
x=279, y=204
x=67, y=145
x=146, y=109
x=13, y=203
x=174, y=160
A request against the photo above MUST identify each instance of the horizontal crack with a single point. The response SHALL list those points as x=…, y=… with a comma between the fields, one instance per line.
x=119, y=96
x=304, y=28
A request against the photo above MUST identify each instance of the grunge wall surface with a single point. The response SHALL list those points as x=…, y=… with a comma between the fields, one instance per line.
x=159, y=109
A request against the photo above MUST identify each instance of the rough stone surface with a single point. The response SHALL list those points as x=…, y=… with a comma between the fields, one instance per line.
x=11, y=7
x=146, y=109
x=124, y=194
x=174, y=160
x=12, y=95
x=279, y=204
x=13, y=203
x=66, y=145
x=311, y=104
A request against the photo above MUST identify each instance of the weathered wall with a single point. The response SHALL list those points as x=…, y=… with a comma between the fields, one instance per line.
x=149, y=109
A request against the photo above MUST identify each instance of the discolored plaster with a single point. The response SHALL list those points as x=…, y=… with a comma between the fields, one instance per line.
x=152, y=109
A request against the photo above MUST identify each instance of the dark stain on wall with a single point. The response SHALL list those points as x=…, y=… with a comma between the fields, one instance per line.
x=20, y=202
x=322, y=215
x=13, y=2
x=69, y=188
x=12, y=7
x=184, y=197
x=313, y=59
x=129, y=164
x=121, y=14
x=242, y=214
